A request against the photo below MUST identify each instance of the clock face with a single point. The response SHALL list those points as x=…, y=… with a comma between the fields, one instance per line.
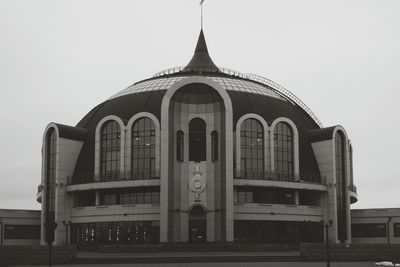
x=197, y=184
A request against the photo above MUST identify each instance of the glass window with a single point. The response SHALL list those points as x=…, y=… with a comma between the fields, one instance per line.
x=214, y=146
x=15, y=231
x=143, y=149
x=341, y=187
x=197, y=140
x=110, y=151
x=155, y=197
x=110, y=199
x=179, y=146
x=396, y=229
x=51, y=154
x=252, y=149
x=368, y=230
x=283, y=150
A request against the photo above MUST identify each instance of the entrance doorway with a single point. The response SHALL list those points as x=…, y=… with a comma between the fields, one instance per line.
x=197, y=225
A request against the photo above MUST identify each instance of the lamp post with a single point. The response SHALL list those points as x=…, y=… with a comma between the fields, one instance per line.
x=50, y=226
x=326, y=225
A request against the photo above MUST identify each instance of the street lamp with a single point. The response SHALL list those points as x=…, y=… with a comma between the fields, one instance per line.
x=327, y=225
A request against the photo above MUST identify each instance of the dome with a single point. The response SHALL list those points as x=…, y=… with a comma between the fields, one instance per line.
x=249, y=93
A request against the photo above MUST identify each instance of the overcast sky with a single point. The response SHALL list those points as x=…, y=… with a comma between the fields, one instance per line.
x=59, y=59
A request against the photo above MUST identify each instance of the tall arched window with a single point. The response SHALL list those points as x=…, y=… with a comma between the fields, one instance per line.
x=179, y=146
x=110, y=151
x=214, y=146
x=283, y=149
x=143, y=149
x=197, y=140
x=341, y=187
x=252, y=149
x=50, y=180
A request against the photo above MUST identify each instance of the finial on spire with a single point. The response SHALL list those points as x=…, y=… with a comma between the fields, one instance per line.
x=201, y=14
x=201, y=61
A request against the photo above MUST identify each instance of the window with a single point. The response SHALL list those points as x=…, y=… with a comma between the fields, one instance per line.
x=252, y=149
x=368, y=230
x=283, y=149
x=341, y=187
x=197, y=140
x=110, y=199
x=102, y=233
x=144, y=195
x=110, y=151
x=244, y=196
x=50, y=178
x=84, y=198
x=143, y=149
x=179, y=146
x=396, y=229
x=265, y=195
x=214, y=146
x=21, y=231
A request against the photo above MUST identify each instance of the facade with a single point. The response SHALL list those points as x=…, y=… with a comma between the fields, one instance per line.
x=197, y=154
x=19, y=227
x=376, y=226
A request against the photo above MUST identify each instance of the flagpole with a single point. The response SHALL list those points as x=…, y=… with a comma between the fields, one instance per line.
x=201, y=5
x=201, y=13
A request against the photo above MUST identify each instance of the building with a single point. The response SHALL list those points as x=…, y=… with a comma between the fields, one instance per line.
x=19, y=227
x=198, y=154
x=375, y=226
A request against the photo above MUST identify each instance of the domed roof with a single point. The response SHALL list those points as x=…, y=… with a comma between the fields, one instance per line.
x=249, y=93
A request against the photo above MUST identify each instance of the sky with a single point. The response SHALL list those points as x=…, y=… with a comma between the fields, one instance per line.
x=59, y=59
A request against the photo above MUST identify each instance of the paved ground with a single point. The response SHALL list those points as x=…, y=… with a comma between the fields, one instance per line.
x=230, y=264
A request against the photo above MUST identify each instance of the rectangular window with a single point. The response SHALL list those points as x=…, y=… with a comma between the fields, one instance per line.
x=12, y=231
x=368, y=230
x=396, y=229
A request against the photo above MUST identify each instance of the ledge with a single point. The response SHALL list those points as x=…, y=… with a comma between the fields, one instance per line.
x=115, y=184
x=280, y=184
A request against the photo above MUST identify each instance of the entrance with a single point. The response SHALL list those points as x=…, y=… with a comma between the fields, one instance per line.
x=197, y=225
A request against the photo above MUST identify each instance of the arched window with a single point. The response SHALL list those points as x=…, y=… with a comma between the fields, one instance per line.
x=214, y=146
x=143, y=149
x=252, y=149
x=110, y=155
x=283, y=149
x=50, y=179
x=341, y=187
x=179, y=146
x=197, y=140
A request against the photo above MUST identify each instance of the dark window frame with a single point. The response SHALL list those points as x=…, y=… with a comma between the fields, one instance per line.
x=197, y=140
x=143, y=149
x=284, y=149
x=341, y=185
x=110, y=150
x=368, y=230
x=252, y=156
x=214, y=146
x=18, y=231
x=396, y=229
x=180, y=145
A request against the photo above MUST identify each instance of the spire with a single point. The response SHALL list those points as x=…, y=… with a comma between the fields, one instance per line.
x=201, y=60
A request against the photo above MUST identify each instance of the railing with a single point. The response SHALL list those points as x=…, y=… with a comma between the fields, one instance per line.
x=256, y=78
x=283, y=177
x=85, y=178
x=353, y=188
